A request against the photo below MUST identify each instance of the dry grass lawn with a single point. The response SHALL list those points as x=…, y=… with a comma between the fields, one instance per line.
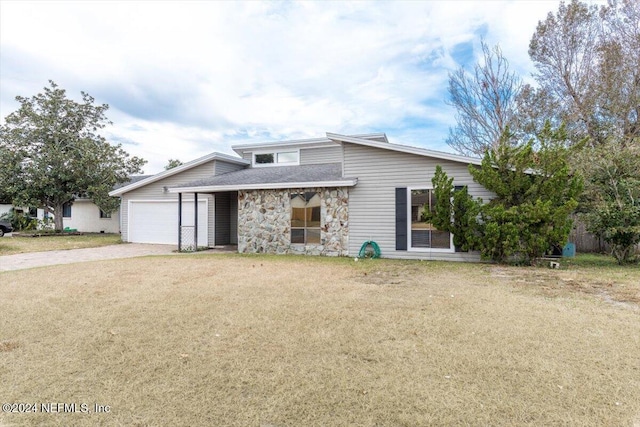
x=17, y=245
x=296, y=341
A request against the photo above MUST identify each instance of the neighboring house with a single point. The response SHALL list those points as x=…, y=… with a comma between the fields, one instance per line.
x=81, y=214
x=324, y=196
x=85, y=216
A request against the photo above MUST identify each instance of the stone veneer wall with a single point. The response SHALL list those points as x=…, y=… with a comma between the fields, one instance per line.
x=264, y=222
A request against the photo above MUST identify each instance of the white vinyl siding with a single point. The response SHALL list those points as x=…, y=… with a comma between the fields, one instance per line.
x=372, y=200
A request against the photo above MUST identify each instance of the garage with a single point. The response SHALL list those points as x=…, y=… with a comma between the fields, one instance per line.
x=157, y=221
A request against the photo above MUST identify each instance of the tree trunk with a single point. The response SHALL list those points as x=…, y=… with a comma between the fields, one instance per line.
x=58, y=211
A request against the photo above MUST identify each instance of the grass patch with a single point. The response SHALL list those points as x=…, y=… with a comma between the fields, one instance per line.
x=598, y=261
x=258, y=340
x=17, y=245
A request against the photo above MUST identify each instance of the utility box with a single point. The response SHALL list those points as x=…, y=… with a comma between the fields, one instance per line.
x=569, y=250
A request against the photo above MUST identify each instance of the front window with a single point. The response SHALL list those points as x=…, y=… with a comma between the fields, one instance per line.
x=305, y=218
x=104, y=214
x=423, y=233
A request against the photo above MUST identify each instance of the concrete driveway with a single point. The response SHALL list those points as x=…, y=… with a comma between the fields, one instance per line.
x=40, y=259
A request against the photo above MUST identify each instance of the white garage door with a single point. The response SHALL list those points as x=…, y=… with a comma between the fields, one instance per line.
x=157, y=222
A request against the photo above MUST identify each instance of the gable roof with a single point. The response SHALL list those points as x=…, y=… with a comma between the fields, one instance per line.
x=319, y=175
x=312, y=142
x=132, y=179
x=404, y=149
x=284, y=176
x=164, y=174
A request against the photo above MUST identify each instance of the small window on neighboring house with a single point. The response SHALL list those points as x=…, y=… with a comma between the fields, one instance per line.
x=305, y=218
x=104, y=214
x=66, y=210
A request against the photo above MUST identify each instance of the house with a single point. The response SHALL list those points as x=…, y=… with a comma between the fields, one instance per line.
x=85, y=216
x=324, y=196
x=81, y=214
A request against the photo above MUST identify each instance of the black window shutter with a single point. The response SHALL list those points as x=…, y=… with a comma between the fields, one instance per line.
x=459, y=188
x=401, y=219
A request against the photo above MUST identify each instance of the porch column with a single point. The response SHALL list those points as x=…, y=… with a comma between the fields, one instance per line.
x=179, y=222
x=195, y=230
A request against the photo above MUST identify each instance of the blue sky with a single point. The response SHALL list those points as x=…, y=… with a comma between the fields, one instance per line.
x=183, y=79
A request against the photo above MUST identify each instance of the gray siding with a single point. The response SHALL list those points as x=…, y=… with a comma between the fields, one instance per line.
x=234, y=217
x=372, y=200
x=310, y=156
x=248, y=155
x=222, y=167
x=155, y=191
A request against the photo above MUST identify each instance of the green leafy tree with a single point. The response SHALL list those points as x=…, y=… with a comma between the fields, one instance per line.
x=535, y=193
x=588, y=70
x=51, y=153
x=172, y=164
x=612, y=197
x=455, y=211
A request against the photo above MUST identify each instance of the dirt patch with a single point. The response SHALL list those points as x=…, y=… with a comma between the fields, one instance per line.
x=624, y=292
x=6, y=346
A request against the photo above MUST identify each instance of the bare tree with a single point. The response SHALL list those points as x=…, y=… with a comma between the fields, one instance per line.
x=588, y=68
x=618, y=85
x=485, y=101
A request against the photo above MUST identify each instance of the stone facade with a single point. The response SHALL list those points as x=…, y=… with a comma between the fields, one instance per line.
x=264, y=222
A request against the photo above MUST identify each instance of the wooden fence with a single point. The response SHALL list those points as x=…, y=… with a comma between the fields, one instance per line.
x=588, y=242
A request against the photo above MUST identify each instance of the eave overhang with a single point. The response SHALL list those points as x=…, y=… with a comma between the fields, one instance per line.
x=264, y=186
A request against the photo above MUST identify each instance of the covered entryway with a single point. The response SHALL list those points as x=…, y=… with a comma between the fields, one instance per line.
x=156, y=221
x=226, y=218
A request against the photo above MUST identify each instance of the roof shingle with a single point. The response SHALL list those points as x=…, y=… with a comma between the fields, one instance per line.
x=272, y=175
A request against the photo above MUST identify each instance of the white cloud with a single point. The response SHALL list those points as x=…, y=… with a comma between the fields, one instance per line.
x=186, y=78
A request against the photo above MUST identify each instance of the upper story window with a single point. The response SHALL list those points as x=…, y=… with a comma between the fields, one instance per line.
x=277, y=158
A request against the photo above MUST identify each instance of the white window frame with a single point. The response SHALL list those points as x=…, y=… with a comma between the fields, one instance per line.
x=410, y=248
x=275, y=158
